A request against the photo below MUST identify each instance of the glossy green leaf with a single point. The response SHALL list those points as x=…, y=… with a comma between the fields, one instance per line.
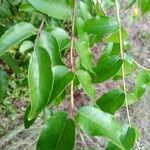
x=95, y=122
x=40, y=78
x=57, y=9
x=145, y=6
x=101, y=26
x=58, y=133
x=62, y=78
x=127, y=137
x=142, y=83
x=25, y=46
x=48, y=42
x=61, y=37
x=3, y=83
x=111, y=101
x=15, y=35
x=84, y=51
x=28, y=123
x=107, y=68
x=86, y=83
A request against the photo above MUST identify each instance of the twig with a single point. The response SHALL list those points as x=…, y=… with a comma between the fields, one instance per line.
x=122, y=55
x=71, y=53
x=123, y=69
x=41, y=27
x=140, y=66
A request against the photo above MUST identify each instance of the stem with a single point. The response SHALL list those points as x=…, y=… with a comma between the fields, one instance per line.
x=71, y=52
x=123, y=69
x=140, y=66
x=122, y=55
x=41, y=27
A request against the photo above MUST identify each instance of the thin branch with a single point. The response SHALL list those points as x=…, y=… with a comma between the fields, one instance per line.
x=123, y=68
x=71, y=52
x=122, y=55
x=41, y=27
x=140, y=66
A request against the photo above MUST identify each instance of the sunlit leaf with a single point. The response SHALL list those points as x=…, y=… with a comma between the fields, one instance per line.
x=40, y=78
x=101, y=26
x=15, y=35
x=57, y=9
x=48, y=42
x=95, y=122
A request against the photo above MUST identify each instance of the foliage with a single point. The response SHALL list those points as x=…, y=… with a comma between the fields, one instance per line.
x=40, y=31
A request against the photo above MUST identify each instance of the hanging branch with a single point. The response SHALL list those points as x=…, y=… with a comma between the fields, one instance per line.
x=123, y=68
x=71, y=52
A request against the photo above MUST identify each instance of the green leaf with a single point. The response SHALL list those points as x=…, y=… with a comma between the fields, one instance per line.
x=129, y=67
x=86, y=83
x=5, y=9
x=48, y=42
x=40, y=78
x=3, y=83
x=110, y=49
x=61, y=37
x=80, y=26
x=58, y=133
x=142, y=83
x=114, y=37
x=11, y=62
x=95, y=122
x=60, y=98
x=111, y=101
x=62, y=78
x=101, y=26
x=14, y=2
x=107, y=68
x=28, y=123
x=145, y=6
x=131, y=98
x=127, y=137
x=15, y=35
x=57, y=9
x=25, y=46
x=85, y=14
x=84, y=51
x=26, y=7
x=99, y=9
